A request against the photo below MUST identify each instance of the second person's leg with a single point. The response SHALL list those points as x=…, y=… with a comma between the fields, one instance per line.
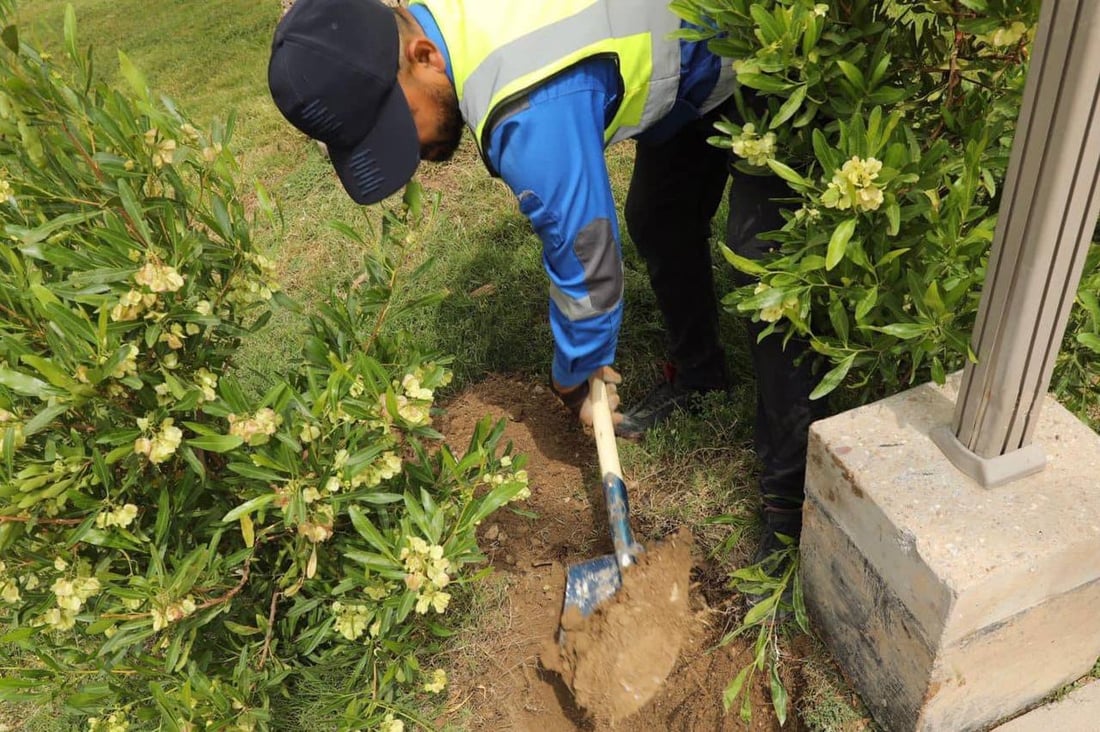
x=674, y=192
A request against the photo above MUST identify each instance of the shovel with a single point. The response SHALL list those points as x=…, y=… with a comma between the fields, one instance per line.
x=592, y=582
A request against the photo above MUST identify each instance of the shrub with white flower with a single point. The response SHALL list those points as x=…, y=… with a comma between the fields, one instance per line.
x=114, y=722
x=163, y=442
x=426, y=574
x=754, y=148
x=121, y=517
x=257, y=429
x=190, y=549
x=437, y=681
x=853, y=186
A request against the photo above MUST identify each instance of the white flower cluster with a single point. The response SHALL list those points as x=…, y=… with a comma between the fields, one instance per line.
x=351, y=620
x=319, y=526
x=387, y=466
x=207, y=382
x=121, y=517
x=426, y=574
x=115, y=722
x=177, y=333
x=508, y=475
x=9, y=421
x=438, y=682
x=9, y=586
x=159, y=277
x=70, y=594
x=152, y=278
x=257, y=429
x=128, y=365
x=392, y=724
x=256, y=286
x=414, y=401
x=168, y=613
x=853, y=186
x=790, y=306
x=132, y=304
x=164, y=442
x=754, y=148
x=161, y=150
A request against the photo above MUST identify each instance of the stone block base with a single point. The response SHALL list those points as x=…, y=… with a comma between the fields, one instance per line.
x=950, y=606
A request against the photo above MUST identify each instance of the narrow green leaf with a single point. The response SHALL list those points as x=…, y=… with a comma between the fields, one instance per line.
x=743, y=264
x=838, y=316
x=763, y=82
x=853, y=74
x=70, y=34
x=891, y=256
x=133, y=76
x=833, y=378
x=248, y=507
x=893, y=216
x=44, y=418
x=761, y=610
x=733, y=688
x=904, y=331
x=51, y=371
x=779, y=696
x=788, y=174
x=938, y=374
x=133, y=210
x=868, y=301
x=789, y=108
x=934, y=300
x=216, y=443
x=825, y=154
x=23, y=384
x=367, y=530
x=1090, y=341
x=164, y=515
x=838, y=243
x=10, y=36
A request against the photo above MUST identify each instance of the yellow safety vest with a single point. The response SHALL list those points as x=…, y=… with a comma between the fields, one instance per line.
x=501, y=49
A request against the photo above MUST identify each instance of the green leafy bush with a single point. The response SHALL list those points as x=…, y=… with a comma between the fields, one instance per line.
x=185, y=551
x=891, y=123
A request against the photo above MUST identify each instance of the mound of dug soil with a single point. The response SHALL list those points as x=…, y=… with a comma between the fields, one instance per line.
x=618, y=658
x=497, y=679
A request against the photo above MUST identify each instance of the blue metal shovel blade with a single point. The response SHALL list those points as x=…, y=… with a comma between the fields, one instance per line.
x=589, y=583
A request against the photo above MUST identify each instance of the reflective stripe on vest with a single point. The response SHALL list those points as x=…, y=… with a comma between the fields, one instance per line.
x=500, y=49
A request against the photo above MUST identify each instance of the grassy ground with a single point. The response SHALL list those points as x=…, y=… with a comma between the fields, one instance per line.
x=211, y=58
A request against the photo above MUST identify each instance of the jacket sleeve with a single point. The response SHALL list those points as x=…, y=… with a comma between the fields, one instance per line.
x=551, y=154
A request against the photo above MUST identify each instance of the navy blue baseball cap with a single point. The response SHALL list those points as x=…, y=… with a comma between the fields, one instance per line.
x=333, y=75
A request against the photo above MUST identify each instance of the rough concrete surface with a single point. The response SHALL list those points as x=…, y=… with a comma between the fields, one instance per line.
x=951, y=606
x=1080, y=710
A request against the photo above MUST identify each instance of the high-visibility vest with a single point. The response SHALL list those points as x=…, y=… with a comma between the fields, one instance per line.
x=501, y=49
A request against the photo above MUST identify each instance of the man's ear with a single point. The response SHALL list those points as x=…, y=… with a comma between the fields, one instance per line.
x=420, y=51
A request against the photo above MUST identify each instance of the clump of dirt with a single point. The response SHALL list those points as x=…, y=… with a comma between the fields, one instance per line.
x=497, y=681
x=618, y=658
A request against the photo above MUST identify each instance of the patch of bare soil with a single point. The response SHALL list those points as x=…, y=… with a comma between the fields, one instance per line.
x=497, y=679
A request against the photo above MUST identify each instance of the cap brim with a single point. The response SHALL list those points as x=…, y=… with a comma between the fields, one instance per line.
x=383, y=161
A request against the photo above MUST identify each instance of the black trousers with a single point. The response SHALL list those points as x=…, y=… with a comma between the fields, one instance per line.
x=674, y=193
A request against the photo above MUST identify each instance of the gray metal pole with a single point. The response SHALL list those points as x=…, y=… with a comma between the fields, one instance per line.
x=1050, y=204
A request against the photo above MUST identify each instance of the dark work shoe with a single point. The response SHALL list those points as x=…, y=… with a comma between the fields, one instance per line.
x=774, y=563
x=782, y=528
x=657, y=406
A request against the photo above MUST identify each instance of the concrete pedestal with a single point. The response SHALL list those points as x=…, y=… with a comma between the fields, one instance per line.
x=950, y=606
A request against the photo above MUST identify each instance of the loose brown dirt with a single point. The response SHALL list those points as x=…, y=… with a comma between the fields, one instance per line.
x=497, y=679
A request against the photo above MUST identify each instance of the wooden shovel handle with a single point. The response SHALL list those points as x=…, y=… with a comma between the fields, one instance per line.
x=604, y=428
